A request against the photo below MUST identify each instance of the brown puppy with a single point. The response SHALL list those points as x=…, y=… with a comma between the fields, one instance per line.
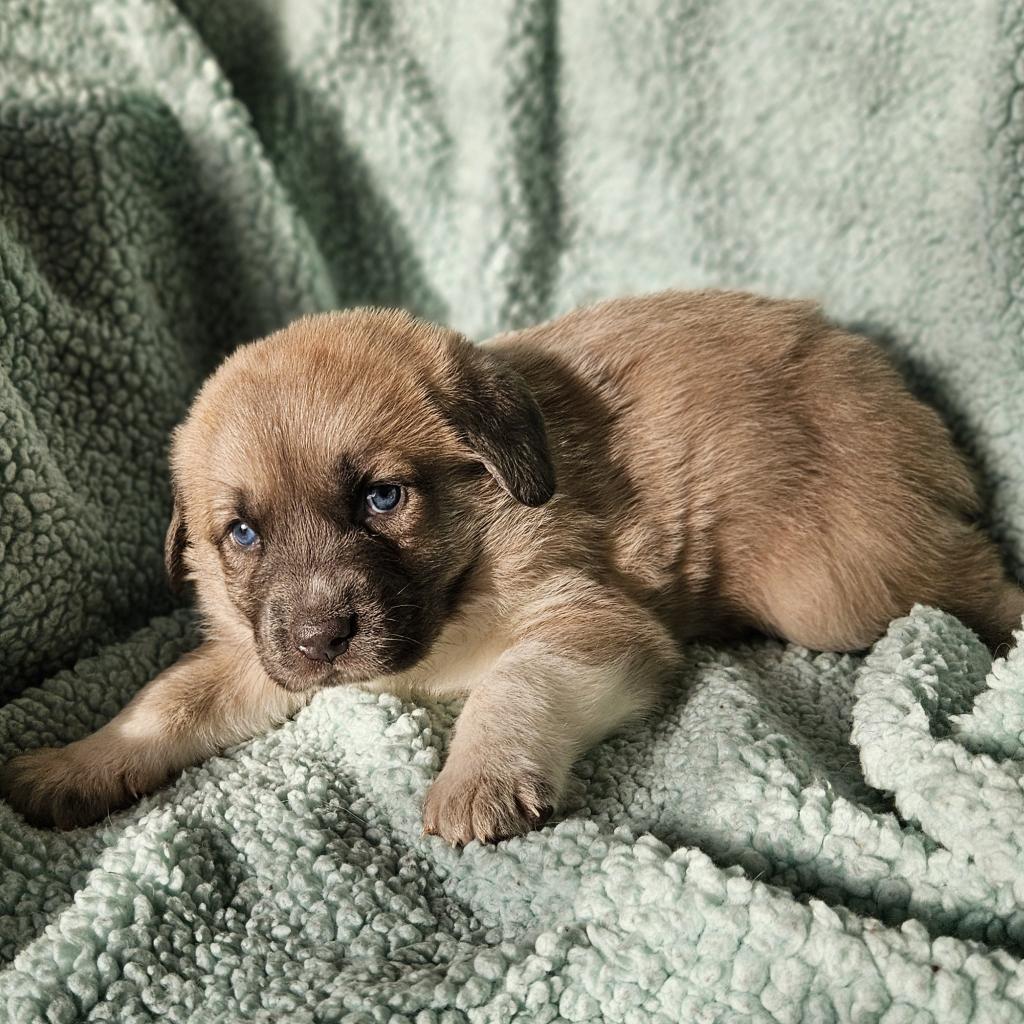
x=366, y=498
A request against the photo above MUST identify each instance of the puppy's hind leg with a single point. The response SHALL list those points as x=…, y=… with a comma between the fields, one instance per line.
x=1002, y=617
x=979, y=593
x=208, y=700
x=841, y=594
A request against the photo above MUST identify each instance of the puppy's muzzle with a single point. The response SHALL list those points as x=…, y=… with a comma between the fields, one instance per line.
x=324, y=639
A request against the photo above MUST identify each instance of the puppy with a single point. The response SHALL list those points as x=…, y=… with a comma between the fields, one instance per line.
x=538, y=524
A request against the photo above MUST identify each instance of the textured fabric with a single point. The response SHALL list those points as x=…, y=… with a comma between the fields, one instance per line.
x=793, y=837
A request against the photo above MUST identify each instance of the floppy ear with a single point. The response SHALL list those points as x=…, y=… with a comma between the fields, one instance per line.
x=174, y=547
x=492, y=407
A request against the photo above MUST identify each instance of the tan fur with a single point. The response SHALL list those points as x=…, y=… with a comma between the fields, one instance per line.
x=724, y=462
x=209, y=700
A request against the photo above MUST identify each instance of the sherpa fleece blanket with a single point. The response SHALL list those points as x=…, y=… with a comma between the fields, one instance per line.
x=794, y=836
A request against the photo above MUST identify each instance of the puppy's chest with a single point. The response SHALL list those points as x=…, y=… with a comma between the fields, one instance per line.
x=464, y=655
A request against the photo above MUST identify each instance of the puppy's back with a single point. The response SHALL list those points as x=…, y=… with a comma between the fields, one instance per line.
x=727, y=438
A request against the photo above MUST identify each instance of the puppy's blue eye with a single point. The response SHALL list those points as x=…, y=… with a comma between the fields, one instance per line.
x=383, y=497
x=244, y=535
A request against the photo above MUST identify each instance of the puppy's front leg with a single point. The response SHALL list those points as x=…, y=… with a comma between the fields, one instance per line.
x=208, y=700
x=583, y=667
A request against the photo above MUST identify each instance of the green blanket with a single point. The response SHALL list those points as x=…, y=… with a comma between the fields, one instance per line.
x=793, y=836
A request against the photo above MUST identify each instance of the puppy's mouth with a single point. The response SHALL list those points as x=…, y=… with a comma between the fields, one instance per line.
x=374, y=650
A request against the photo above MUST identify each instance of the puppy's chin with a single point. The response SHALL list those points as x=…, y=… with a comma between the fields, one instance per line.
x=299, y=682
x=353, y=667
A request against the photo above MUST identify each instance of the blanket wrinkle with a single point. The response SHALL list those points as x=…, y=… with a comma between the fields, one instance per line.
x=792, y=837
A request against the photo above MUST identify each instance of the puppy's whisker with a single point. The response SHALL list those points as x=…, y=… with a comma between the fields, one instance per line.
x=400, y=636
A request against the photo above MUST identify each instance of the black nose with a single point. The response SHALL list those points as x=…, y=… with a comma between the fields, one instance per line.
x=325, y=639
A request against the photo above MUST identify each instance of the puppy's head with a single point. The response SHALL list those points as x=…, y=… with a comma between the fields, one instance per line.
x=333, y=484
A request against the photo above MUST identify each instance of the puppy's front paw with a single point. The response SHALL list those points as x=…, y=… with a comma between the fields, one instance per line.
x=488, y=802
x=63, y=787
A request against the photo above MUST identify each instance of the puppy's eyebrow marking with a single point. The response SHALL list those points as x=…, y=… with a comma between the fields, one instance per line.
x=355, y=467
x=346, y=472
x=392, y=466
x=234, y=504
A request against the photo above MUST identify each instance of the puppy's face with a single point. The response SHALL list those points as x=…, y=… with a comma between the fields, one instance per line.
x=333, y=486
